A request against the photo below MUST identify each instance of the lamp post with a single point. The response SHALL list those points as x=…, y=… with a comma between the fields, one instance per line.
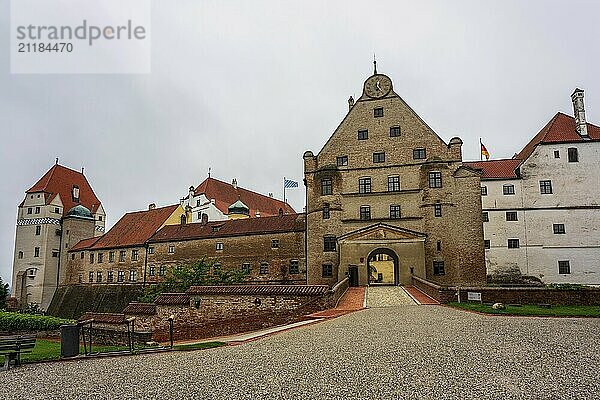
x=171, y=318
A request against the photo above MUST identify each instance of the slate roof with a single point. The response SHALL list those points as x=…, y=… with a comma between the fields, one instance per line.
x=140, y=309
x=236, y=227
x=60, y=180
x=290, y=290
x=226, y=194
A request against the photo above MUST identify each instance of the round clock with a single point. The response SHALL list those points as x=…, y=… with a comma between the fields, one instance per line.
x=377, y=86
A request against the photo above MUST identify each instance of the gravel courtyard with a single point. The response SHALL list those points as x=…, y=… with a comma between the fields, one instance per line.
x=406, y=352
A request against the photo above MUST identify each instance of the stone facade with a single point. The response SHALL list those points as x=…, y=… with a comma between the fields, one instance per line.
x=379, y=163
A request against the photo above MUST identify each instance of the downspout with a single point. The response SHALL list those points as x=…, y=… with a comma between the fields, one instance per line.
x=145, y=262
x=59, y=255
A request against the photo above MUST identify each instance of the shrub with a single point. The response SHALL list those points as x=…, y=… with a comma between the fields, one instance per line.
x=11, y=321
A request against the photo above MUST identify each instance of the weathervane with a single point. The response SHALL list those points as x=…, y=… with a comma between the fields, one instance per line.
x=374, y=65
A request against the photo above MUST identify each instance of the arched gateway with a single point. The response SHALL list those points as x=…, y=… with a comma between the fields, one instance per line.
x=383, y=267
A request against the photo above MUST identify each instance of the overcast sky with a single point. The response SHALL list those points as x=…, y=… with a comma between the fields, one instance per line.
x=245, y=87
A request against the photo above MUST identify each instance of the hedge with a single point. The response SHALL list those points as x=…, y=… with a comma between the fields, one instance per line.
x=11, y=321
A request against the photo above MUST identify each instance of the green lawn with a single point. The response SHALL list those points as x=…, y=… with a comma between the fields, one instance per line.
x=534, y=310
x=198, y=346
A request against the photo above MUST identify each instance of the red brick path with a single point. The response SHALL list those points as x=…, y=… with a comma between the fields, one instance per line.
x=419, y=296
x=352, y=300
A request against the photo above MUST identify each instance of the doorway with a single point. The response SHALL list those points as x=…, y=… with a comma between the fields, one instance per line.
x=383, y=267
x=353, y=275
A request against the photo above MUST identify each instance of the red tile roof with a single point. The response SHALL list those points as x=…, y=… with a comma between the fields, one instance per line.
x=496, y=169
x=60, y=180
x=250, y=290
x=85, y=244
x=235, y=227
x=140, y=309
x=173, y=299
x=135, y=228
x=226, y=194
x=105, y=318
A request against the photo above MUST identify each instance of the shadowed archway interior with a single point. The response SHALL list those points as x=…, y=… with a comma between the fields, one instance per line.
x=383, y=267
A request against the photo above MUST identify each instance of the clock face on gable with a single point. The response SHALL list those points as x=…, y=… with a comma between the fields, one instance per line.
x=378, y=86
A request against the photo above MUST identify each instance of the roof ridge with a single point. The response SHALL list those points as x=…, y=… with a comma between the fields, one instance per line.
x=154, y=209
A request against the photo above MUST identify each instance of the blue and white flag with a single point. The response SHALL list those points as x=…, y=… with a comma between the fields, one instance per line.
x=289, y=184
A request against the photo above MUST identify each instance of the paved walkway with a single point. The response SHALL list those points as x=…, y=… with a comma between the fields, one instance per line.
x=406, y=352
x=387, y=296
x=419, y=296
x=352, y=300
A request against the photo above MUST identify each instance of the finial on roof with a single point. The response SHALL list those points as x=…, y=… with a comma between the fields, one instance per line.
x=82, y=170
x=56, y=160
x=209, y=172
x=374, y=65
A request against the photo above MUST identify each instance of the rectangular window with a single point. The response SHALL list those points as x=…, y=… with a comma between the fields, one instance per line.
x=81, y=255
x=486, y=244
x=109, y=277
x=556, y=154
x=508, y=190
x=393, y=183
x=162, y=270
x=564, y=267
x=435, y=179
x=29, y=210
x=38, y=230
x=364, y=185
x=171, y=248
x=120, y=276
x=198, y=203
x=56, y=210
x=294, y=267
x=72, y=256
x=378, y=112
x=326, y=186
x=327, y=270
x=37, y=210
x=325, y=210
x=100, y=258
x=511, y=216
x=55, y=253
x=150, y=250
x=484, y=190
x=546, y=187
x=438, y=245
x=274, y=243
x=329, y=243
x=99, y=276
x=341, y=161
x=219, y=246
x=151, y=270
x=513, y=243
x=132, y=276
x=439, y=268
x=80, y=278
x=91, y=258
x=363, y=134
x=122, y=256
x=378, y=157
x=558, y=229
x=485, y=216
x=437, y=210
x=573, y=155
x=365, y=213
x=394, y=131
x=394, y=211
x=264, y=268
x=111, y=256
x=134, y=255
x=419, y=154
x=247, y=267
x=91, y=276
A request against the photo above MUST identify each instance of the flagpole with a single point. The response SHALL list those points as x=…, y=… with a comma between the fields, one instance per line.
x=480, y=152
x=284, y=190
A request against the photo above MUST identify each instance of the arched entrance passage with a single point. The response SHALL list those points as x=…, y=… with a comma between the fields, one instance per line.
x=383, y=267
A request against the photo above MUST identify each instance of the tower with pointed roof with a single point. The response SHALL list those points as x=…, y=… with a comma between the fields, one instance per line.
x=58, y=211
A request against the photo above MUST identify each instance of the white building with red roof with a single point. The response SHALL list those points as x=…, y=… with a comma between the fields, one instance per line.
x=58, y=211
x=541, y=208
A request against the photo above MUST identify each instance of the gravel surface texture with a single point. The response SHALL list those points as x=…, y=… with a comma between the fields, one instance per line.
x=387, y=296
x=407, y=352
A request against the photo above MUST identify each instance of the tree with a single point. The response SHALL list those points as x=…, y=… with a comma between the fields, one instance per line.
x=200, y=273
x=3, y=294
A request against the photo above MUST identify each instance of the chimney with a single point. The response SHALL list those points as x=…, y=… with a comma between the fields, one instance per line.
x=579, y=112
x=350, y=102
x=234, y=183
x=151, y=206
x=271, y=195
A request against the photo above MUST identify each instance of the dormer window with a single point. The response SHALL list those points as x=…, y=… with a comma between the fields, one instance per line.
x=75, y=193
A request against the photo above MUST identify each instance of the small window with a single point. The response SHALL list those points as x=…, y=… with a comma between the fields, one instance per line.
x=558, y=229
x=326, y=186
x=556, y=154
x=363, y=134
x=508, y=190
x=72, y=256
x=132, y=276
x=438, y=245
x=394, y=211
x=150, y=250
x=21, y=255
x=419, y=154
x=100, y=218
x=573, y=155
x=378, y=157
x=394, y=131
x=81, y=255
x=264, y=268
x=162, y=270
x=199, y=215
x=274, y=243
x=215, y=228
x=364, y=185
x=122, y=256
x=393, y=183
x=55, y=253
x=171, y=248
x=485, y=216
x=75, y=193
x=486, y=244
x=511, y=216
x=435, y=179
x=120, y=276
x=564, y=267
x=378, y=112
x=111, y=256
x=294, y=269
x=326, y=211
x=484, y=190
x=99, y=276
x=247, y=267
x=100, y=258
x=546, y=187
x=513, y=243
x=38, y=230
x=329, y=243
x=37, y=210
x=134, y=255
x=109, y=277
x=57, y=211
x=327, y=271
x=341, y=161
x=439, y=268
x=437, y=210
x=91, y=258
x=91, y=276
x=151, y=270
x=198, y=203
x=365, y=213
x=29, y=210
x=219, y=246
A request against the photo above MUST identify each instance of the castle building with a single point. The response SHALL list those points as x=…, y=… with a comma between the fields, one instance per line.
x=541, y=208
x=387, y=198
x=57, y=212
